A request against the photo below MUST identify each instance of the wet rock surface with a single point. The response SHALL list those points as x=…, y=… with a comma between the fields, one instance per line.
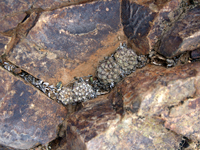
x=27, y=116
x=73, y=77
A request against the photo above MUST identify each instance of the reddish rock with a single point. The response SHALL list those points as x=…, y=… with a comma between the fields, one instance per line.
x=27, y=116
x=184, y=119
x=58, y=49
x=153, y=89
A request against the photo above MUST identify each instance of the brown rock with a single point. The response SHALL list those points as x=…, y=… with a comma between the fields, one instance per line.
x=183, y=36
x=52, y=4
x=166, y=16
x=58, y=49
x=4, y=40
x=165, y=26
x=151, y=90
x=128, y=133
x=94, y=118
x=137, y=134
x=137, y=20
x=151, y=3
x=10, y=22
x=27, y=116
x=27, y=24
x=184, y=119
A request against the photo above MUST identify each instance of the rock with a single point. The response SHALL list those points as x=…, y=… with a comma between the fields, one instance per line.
x=4, y=40
x=27, y=116
x=137, y=20
x=183, y=36
x=165, y=28
x=184, y=119
x=11, y=22
x=137, y=134
x=195, y=53
x=165, y=18
x=52, y=4
x=95, y=117
x=27, y=24
x=98, y=126
x=11, y=8
x=151, y=90
x=58, y=49
x=151, y=3
x=6, y=148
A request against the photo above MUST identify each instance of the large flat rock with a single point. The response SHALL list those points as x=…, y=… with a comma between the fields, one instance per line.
x=27, y=116
x=70, y=41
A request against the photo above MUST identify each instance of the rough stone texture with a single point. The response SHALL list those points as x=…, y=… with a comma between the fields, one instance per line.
x=161, y=88
x=137, y=134
x=5, y=148
x=184, y=119
x=98, y=126
x=27, y=117
x=95, y=117
x=183, y=36
x=52, y=4
x=58, y=49
x=27, y=25
x=168, y=14
x=136, y=20
x=4, y=40
x=11, y=8
x=195, y=53
x=11, y=22
x=169, y=28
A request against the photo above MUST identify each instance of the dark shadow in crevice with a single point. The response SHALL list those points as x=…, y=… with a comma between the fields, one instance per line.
x=184, y=143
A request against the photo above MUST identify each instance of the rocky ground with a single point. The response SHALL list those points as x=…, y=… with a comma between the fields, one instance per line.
x=104, y=74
